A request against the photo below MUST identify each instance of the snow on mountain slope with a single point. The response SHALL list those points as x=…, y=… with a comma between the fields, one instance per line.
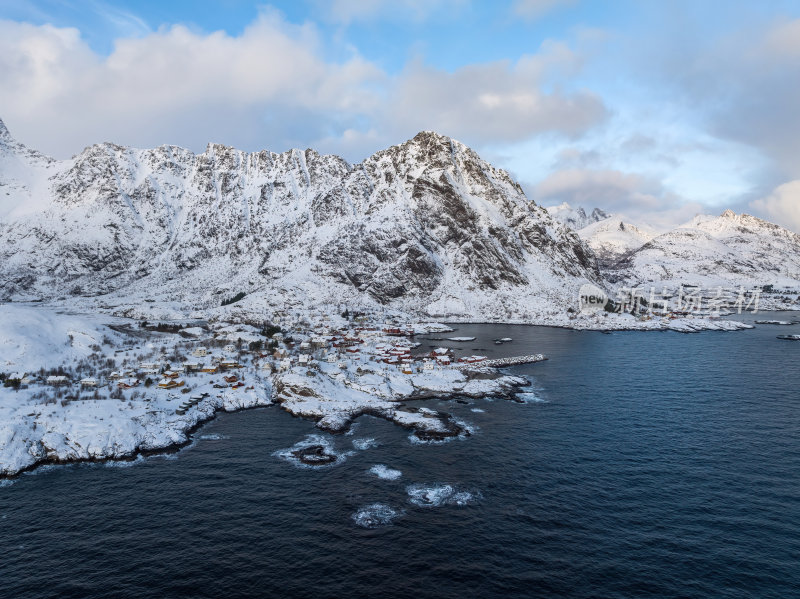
x=729, y=250
x=576, y=218
x=426, y=226
x=613, y=237
x=23, y=177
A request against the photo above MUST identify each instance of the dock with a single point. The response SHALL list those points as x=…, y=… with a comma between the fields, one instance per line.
x=503, y=362
x=187, y=405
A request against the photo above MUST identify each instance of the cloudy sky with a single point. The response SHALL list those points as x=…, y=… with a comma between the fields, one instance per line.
x=657, y=110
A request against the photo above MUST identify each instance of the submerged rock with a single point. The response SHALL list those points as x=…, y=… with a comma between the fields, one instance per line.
x=375, y=515
x=314, y=455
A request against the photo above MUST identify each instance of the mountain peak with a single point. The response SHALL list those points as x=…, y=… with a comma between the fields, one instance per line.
x=576, y=218
x=4, y=134
x=728, y=214
x=430, y=136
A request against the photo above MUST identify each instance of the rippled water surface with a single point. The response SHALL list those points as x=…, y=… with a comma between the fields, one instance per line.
x=641, y=465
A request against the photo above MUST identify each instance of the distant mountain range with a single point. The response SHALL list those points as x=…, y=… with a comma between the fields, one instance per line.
x=729, y=250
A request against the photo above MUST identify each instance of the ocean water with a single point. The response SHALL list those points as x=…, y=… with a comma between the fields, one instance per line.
x=640, y=465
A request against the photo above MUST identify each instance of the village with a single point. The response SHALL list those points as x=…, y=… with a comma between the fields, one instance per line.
x=151, y=384
x=193, y=361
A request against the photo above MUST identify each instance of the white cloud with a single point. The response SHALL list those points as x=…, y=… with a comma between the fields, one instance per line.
x=744, y=85
x=641, y=199
x=175, y=86
x=499, y=101
x=609, y=189
x=782, y=206
x=783, y=40
x=269, y=87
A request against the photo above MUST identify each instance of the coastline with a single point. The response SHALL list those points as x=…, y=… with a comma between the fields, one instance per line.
x=427, y=425
x=150, y=425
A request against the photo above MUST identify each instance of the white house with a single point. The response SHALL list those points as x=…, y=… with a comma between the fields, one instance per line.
x=229, y=349
x=22, y=377
x=200, y=352
x=57, y=380
x=89, y=381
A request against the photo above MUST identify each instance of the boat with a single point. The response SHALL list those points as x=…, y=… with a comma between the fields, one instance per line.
x=789, y=337
x=781, y=322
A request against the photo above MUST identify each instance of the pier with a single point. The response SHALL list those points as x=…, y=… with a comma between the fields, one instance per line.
x=193, y=401
x=503, y=362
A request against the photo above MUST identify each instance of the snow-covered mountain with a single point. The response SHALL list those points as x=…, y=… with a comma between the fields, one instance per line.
x=614, y=236
x=576, y=218
x=426, y=226
x=728, y=250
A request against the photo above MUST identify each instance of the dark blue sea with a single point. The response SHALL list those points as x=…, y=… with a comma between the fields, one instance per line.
x=643, y=465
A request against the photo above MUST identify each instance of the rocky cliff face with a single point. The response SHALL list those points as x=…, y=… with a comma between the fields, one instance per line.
x=426, y=226
x=576, y=218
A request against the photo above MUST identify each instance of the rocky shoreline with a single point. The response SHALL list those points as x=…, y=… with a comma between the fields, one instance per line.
x=426, y=425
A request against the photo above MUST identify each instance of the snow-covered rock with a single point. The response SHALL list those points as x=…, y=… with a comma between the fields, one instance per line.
x=426, y=226
x=729, y=251
x=576, y=218
x=614, y=237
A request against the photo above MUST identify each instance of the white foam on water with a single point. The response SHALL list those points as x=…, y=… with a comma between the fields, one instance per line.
x=375, y=515
x=364, y=443
x=441, y=494
x=463, y=498
x=530, y=397
x=44, y=469
x=417, y=441
x=477, y=410
x=213, y=437
x=123, y=463
x=310, y=440
x=7, y=482
x=467, y=428
x=384, y=472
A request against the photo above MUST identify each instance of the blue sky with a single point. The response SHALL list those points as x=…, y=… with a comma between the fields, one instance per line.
x=658, y=110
